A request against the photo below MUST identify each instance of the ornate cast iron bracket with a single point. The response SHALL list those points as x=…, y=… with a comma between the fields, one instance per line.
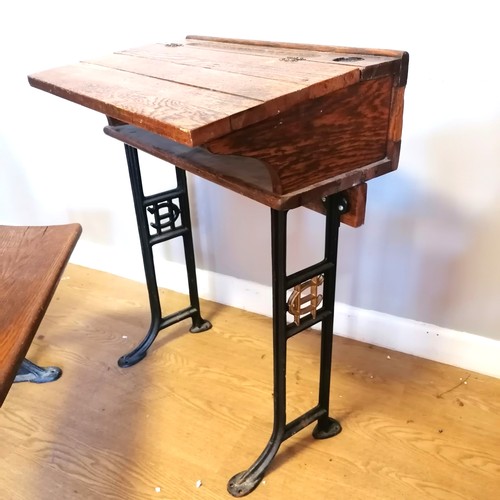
x=170, y=220
x=312, y=299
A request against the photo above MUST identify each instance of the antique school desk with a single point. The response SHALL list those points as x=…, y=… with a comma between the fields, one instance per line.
x=287, y=125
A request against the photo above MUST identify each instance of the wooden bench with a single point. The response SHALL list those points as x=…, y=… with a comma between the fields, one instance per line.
x=32, y=260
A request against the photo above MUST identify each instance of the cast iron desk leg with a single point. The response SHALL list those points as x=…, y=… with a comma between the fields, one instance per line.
x=323, y=272
x=171, y=218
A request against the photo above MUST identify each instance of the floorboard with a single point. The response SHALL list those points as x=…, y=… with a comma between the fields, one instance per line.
x=198, y=408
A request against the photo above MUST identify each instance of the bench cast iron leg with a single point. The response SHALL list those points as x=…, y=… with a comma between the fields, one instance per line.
x=324, y=272
x=171, y=219
x=29, y=372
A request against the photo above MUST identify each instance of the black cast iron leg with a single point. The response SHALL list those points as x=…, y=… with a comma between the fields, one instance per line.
x=29, y=372
x=245, y=482
x=140, y=351
x=165, y=213
x=199, y=324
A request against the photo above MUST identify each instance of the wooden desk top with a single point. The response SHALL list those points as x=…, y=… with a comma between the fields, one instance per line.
x=319, y=119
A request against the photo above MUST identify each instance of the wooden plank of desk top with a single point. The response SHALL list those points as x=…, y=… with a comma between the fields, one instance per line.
x=32, y=260
x=263, y=87
x=308, y=60
x=283, y=66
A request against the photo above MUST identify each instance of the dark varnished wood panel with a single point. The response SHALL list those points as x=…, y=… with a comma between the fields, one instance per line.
x=320, y=139
x=32, y=260
x=396, y=122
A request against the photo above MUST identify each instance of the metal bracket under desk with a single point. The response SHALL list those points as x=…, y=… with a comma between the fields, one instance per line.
x=308, y=295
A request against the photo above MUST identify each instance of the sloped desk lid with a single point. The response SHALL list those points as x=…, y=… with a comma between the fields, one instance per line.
x=205, y=88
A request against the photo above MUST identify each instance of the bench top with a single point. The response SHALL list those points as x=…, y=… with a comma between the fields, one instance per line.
x=32, y=260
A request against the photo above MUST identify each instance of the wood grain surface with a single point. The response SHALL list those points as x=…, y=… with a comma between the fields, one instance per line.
x=198, y=408
x=32, y=259
x=319, y=140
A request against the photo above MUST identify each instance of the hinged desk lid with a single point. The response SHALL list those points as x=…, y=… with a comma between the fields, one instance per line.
x=205, y=88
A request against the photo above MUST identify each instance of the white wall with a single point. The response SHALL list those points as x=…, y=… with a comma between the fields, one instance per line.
x=429, y=249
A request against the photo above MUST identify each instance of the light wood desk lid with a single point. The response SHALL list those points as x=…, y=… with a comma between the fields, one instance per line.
x=205, y=88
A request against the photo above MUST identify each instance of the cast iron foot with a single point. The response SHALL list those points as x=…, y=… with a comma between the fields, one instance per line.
x=201, y=326
x=29, y=372
x=130, y=359
x=239, y=486
x=332, y=428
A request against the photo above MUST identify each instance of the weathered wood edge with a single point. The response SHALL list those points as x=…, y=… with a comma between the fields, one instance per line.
x=301, y=46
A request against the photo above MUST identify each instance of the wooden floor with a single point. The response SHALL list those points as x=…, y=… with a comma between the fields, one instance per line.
x=198, y=408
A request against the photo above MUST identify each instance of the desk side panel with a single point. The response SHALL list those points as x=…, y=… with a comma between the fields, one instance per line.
x=320, y=139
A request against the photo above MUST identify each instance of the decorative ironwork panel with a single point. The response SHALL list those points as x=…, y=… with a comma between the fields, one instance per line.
x=165, y=214
x=300, y=304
